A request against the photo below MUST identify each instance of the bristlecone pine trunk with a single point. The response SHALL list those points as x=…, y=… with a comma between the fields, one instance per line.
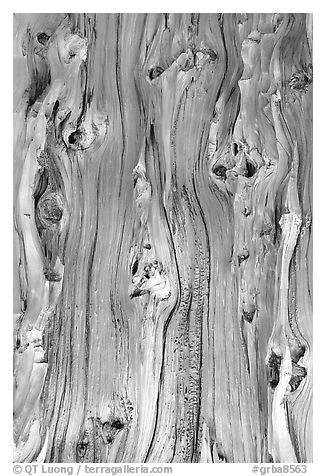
x=162, y=237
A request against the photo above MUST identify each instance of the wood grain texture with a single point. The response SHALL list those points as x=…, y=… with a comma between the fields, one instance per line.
x=162, y=238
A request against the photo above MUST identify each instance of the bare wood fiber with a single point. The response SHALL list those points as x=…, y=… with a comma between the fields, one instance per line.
x=162, y=238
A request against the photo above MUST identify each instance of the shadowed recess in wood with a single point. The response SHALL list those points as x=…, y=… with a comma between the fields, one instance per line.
x=162, y=238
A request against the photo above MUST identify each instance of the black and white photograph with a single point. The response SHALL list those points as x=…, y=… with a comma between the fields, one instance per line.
x=162, y=239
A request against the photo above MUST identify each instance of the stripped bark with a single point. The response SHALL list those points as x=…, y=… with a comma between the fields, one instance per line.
x=162, y=237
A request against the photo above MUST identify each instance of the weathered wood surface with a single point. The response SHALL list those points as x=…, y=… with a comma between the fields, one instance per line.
x=162, y=237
